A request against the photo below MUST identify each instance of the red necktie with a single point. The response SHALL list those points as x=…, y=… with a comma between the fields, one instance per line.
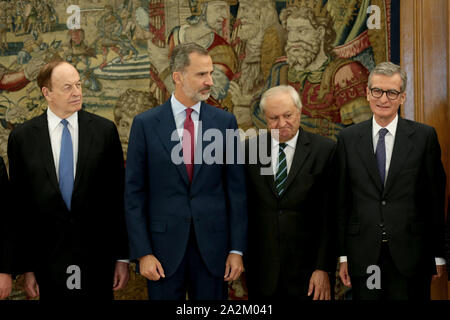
x=188, y=144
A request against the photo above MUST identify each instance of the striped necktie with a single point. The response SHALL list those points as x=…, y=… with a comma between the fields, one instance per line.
x=281, y=177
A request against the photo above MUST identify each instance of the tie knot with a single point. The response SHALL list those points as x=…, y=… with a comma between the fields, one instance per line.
x=283, y=145
x=383, y=132
x=64, y=122
x=188, y=112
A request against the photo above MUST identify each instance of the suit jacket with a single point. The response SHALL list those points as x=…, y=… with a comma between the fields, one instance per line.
x=160, y=202
x=289, y=234
x=93, y=232
x=411, y=204
x=5, y=223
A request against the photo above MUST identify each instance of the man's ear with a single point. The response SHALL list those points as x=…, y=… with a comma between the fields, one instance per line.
x=177, y=77
x=45, y=92
x=403, y=98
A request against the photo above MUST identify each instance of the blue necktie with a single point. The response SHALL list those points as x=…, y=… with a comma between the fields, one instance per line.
x=281, y=177
x=380, y=153
x=66, y=165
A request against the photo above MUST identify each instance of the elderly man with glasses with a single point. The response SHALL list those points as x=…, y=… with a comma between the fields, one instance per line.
x=391, y=198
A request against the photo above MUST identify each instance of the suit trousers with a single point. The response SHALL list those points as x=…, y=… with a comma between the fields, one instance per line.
x=192, y=276
x=394, y=285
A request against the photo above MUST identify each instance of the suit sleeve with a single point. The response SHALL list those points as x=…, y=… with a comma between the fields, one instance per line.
x=326, y=255
x=436, y=186
x=116, y=185
x=5, y=222
x=342, y=195
x=136, y=209
x=236, y=190
x=22, y=245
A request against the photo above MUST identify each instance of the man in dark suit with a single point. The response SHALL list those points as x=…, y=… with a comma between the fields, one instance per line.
x=187, y=220
x=391, y=198
x=5, y=235
x=289, y=252
x=67, y=178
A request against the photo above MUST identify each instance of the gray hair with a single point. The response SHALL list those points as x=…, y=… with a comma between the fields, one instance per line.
x=281, y=89
x=179, y=59
x=389, y=69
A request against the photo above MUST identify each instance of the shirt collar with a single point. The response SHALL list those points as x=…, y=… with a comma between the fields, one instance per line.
x=392, y=127
x=178, y=107
x=54, y=120
x=291, y=143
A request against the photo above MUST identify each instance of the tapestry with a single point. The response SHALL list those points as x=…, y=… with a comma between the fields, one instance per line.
x=121, y=48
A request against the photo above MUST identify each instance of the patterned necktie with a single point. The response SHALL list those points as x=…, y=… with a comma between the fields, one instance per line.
x=188, y=144
x=66, y=165
x=380, y=153
x=281, y=177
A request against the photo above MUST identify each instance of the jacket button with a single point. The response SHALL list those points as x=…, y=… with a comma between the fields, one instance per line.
x=383, y=203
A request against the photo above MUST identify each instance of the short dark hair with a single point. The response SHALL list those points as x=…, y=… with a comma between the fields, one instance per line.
x=44, y=78
x=180, y=55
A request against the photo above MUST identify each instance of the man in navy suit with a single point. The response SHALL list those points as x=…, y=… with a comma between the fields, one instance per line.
x=187, y=220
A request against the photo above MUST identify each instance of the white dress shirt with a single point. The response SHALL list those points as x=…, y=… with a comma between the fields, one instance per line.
x=179, y=114
x=55, y=129
x=289, y=150
x=389, y=143
x=388, y=140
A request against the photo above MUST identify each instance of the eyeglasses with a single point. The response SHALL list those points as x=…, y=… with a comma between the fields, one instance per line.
x=378, y=93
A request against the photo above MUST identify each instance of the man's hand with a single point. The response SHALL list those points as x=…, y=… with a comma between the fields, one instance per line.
x=233, y=267
x=440, y=272
x=121, y=275
x=31, y=285
x=320, y=284
x=5, y=285
x=151, y=268
x=343, y=274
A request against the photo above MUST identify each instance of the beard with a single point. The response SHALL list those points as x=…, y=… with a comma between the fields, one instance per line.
x=196, y=95
x=248, y=31
x=301, y=54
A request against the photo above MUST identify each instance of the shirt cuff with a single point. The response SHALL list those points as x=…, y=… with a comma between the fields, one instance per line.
x=342, y=259
x=237, y=252
x=440, y=261
x=124, y=260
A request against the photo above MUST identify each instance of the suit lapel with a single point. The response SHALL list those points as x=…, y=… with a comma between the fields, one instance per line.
x=84, y=144
x=165, y=127
x=302, y=151
x=400, y=152
x=45, y=146
x=365, y=150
